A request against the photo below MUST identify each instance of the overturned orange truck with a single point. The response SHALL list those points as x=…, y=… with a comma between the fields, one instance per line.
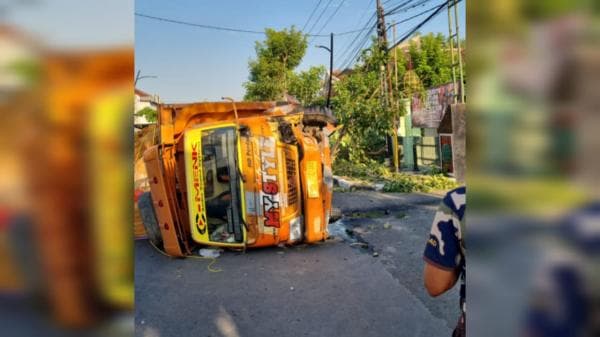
x=238, y=175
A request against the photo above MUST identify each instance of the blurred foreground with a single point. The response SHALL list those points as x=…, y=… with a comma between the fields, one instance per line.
x=533, y=229
x=534, y=220
x=66, y=257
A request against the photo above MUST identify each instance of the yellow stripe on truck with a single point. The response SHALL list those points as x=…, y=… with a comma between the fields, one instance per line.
x=312, y=179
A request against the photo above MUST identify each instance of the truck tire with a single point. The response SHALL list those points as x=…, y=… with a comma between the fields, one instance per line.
x=146, y=208
x=318, y=117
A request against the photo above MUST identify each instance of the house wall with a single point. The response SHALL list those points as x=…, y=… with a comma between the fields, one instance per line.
x=428, y=148
x=139, y=105
x=12, y=51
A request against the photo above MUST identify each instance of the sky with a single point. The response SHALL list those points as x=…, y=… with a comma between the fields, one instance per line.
x=73, y=24
x=195, y=64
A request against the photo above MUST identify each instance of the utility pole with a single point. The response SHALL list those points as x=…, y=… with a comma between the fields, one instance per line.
x=330, y=69
x=387, y=81
x=381, y=36
x=395, y=56
x=455, y=52
x=330, y=50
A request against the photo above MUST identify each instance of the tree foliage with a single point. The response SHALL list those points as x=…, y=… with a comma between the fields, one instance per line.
x=358, y=101
x=359, y=107
x=276, y=58
x=431, y=60
x=307, y=86
x=149, y=113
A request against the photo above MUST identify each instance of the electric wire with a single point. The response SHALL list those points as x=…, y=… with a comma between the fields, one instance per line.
x=220, y=28
x=353, y=56
x=366, y=11
x=367, y=26
x=331, y=17
x=407, y=8
x=319, y=18
x=360, y=50
x=199, y=24
x=399, y=6
x=411, y=17
x=437, y=11
x=356, y=50
x=311, y=15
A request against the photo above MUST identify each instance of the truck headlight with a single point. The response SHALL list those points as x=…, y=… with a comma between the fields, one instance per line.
x=296, y=228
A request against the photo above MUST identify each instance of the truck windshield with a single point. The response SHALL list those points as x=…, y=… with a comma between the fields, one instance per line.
x=221, y=185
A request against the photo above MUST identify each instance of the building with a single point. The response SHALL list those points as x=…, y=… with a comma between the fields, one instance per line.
x=144, y=100
x=432, y=128
x=18, y=61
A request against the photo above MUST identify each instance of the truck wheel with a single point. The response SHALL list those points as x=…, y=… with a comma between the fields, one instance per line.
x=335, y=214
x=318, y=117
x=146, y=209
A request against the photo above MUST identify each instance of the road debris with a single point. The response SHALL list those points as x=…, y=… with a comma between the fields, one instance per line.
x=338, y=229
x=353, y=184
x=209, y=252
x=378, y=187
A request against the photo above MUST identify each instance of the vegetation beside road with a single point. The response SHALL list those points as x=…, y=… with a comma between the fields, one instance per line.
x=358, y=103
x=372, y=171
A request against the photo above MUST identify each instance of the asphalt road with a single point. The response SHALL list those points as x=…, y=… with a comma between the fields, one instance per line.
x=365, y=282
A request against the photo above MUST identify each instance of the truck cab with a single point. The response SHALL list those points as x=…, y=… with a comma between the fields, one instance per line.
x=239, y=175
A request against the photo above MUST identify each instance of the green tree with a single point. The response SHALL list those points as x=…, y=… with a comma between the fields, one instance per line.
x=358, y=102
x=359, y=107
x=276, y=58
x=149, y=113
x=431, y=60
x=306, y=86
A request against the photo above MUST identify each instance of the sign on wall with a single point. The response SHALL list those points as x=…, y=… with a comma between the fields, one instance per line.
x=428, y=110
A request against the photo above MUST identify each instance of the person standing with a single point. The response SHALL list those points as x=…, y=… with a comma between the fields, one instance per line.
x=445, y=252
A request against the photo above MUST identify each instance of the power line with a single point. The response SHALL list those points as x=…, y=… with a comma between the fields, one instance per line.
x=351, y=49
x=366, y=10
x=398, y=9
x=199, y=25
x=421, y=24
x=387, y=3
x=356, y=50
x=437, y=10
x=359, y=20
x=229, y=29
x=412, y=17
x=360, y=49
x=311, y=14
x=331, y=17
x=348, y=32
x=400, y=6
x=319, y=17
x=367, y=26
x=353, y=56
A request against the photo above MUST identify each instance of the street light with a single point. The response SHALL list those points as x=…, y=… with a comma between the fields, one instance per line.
x=138, y=77
x=330, y=50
